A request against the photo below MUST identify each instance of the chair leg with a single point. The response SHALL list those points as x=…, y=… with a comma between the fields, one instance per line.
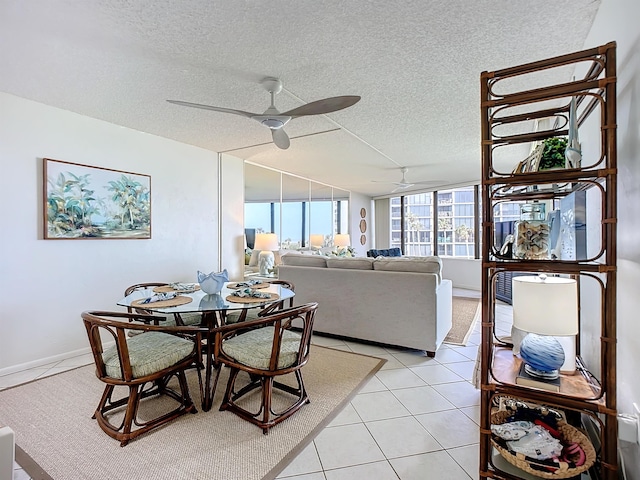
x=130, y=414
x=267, y=391
x=226, y=400
x=265, y=417
x=189, y=406
x=126, y=431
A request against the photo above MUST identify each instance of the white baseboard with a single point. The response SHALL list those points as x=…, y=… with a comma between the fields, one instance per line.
x=467, y=287
x=43, y=361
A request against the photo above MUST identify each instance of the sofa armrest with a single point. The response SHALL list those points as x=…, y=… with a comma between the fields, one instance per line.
x=444, y=309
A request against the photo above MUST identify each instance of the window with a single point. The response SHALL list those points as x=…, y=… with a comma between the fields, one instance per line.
x=455, y=217
x=418, y=224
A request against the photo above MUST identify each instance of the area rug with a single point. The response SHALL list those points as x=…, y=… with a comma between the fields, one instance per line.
x=52, y=421
x=466, y=312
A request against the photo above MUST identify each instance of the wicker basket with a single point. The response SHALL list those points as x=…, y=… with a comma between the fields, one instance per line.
x=546, y=468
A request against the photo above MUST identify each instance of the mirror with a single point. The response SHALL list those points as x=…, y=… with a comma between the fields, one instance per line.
x=321, y=214
x=296, y=209
x=341, y=209
x=295, y=213
x=262, y=190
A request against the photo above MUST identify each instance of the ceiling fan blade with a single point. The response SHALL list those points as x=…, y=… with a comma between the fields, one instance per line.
x=215, y=109
x=326, y=105
x=280, y=138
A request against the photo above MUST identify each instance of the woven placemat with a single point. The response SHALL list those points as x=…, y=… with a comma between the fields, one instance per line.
x=172, y=302
x=272, y=296
x=169, y=288
x=257, y=285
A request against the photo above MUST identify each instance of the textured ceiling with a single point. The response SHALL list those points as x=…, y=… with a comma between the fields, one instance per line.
x=416, y=65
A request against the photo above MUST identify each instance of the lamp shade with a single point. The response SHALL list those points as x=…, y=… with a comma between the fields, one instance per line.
x=266, y=241
x=545, y=305
x=316, y=240
x=342, y=240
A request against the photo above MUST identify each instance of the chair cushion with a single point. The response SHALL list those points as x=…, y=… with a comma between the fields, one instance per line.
x=234, y=316
x=254, y=348
x=149, y=353
x=189, y=318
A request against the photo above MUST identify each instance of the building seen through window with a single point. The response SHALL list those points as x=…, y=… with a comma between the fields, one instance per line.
x=454, y=221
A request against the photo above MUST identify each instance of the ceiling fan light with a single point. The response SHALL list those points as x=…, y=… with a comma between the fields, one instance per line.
x=273, y=123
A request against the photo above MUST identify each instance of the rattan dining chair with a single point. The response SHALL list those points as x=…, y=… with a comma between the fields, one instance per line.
x=144, y=364
x=270, y=348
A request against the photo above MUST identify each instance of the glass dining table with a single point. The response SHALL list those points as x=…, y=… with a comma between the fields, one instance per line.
x=214, y=309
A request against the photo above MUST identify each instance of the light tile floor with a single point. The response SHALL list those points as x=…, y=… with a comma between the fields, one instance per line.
x=416, y=419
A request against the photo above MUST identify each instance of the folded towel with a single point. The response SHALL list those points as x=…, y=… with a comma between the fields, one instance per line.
x=249, y=292
x=248, y=283
x=183, y=287
x=159, y=297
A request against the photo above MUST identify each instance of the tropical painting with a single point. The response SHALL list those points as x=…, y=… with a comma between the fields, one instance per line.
x=83, y=202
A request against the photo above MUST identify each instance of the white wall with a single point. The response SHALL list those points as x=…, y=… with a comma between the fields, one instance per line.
x=617, y=20
x=232, y=216
x=382, y=223
x=357, y=202
x=463, y=272
x=46, y=284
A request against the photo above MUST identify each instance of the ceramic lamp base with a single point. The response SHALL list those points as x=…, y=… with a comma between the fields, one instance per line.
x=266, y=261
x=542, y=374
x=543, y=355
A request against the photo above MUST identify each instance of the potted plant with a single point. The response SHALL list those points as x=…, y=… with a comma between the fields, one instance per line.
x=553, y=154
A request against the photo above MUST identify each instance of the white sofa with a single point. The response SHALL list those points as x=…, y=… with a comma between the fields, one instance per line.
x=400, y=301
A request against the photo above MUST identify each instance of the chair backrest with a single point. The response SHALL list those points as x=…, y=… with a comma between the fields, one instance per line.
x=300, y=318
x=141, y=286
x=114, y=326
x=269, y=309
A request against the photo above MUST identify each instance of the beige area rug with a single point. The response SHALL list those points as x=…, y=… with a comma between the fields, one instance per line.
x=52, y=421
x=466, y=312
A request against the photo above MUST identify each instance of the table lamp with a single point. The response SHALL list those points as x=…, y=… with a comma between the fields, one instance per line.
x=341, y=240
x=546, y=307
x=316, y=240
x=266, y=243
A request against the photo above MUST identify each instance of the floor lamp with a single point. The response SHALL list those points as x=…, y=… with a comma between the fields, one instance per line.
x=546, y=307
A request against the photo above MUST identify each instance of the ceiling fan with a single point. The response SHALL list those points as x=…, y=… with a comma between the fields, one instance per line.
x=275, y=120
x=403, y=184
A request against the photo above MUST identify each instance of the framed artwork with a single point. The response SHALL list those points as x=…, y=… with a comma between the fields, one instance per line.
x=85, y=202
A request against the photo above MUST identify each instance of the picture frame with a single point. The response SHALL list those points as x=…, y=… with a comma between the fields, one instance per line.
x=83, y=202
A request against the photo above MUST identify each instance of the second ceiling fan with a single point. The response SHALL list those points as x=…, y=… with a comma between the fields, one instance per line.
x=273, y=119
x=403, y=184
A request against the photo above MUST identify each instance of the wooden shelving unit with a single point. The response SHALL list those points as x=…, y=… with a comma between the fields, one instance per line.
x=512, y=117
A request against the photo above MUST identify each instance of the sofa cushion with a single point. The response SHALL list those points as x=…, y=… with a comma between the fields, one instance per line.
x=304, y=260
x=361, y=263
x=409, y=264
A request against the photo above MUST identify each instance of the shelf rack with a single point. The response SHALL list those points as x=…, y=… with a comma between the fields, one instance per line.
x=511, y=117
